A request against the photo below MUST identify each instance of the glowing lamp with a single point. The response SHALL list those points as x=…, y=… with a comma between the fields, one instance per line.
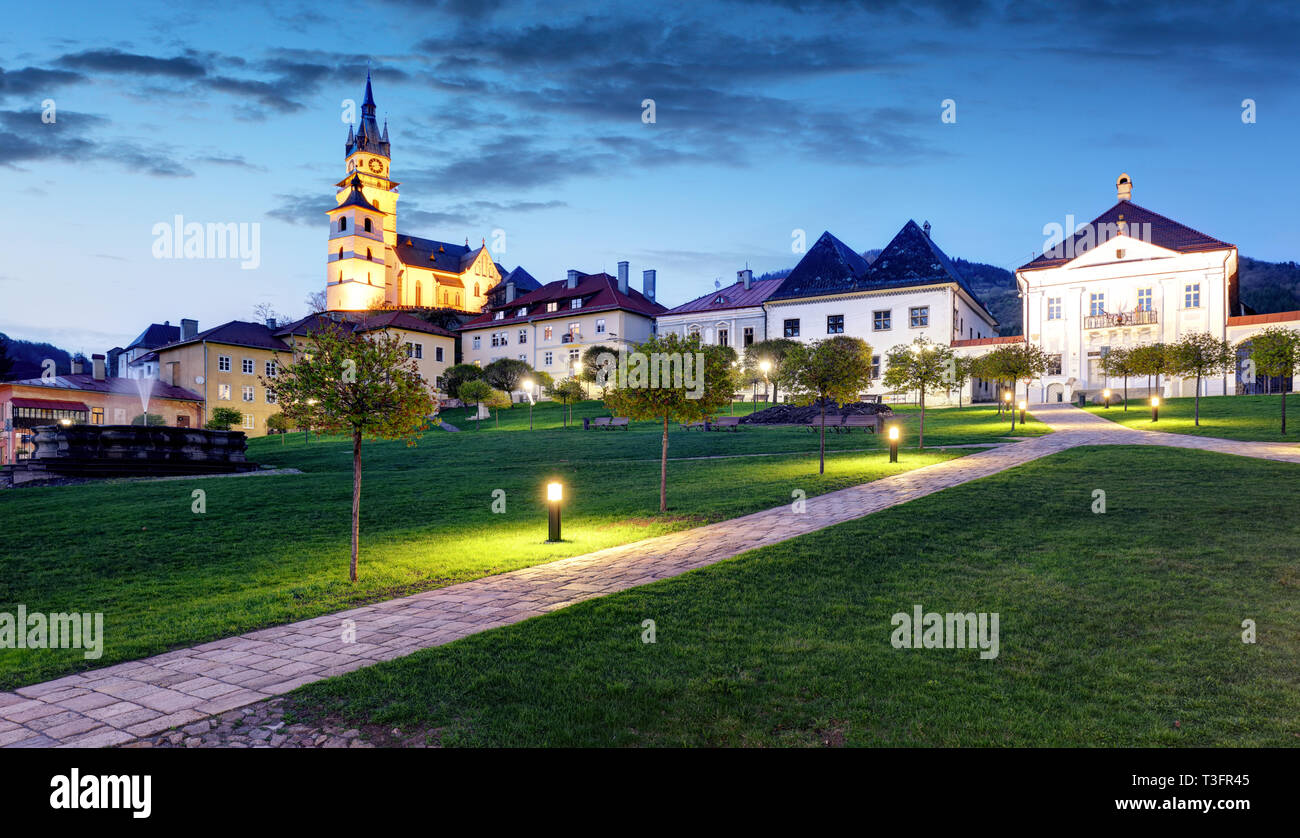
x=1105, y=397
x=893, y=443
x=554, y=494
x=1155, y=408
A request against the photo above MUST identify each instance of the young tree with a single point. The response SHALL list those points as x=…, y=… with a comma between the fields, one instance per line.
x=1118, y=363
x=596, y=366
x=1200, y=354
x=566, y=392
x=835, y=369
x=920, y=365
x=357, y=383
x=499, y=400
x=960, y=371
x=1151, y=360
x=651, y=390
x=1276, y=352
x=506, y=373
x=772, y=350
x=456, y=375
x=1022, y=361
x=278, y=423
x=476, y=391
x=222, y=418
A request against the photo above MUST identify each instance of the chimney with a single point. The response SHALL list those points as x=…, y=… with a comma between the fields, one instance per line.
x=622, y=277
x=76, y=367
x=189, y=328
x=648, y=285
x=97, y=362
x=270, y=322
x=572, y=281
x=167, y=372
x=510, y=292
x=925, y=228
x=746, y=276
x=1124, y=187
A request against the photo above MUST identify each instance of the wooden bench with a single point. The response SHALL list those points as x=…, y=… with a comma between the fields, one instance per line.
x=725, y=423
x=686, y=426
x=868, y=423
x=620, y=422
x=598, y=422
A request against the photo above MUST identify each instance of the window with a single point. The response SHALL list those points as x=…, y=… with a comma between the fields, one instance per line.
x=1192, y=296
x=499, y=339
x=1097, y=304
x=1053, y=364
x=476, y=291
x=182, y=421
x=223, y=392
x=881, y=320
x=437, y=354
x=875, y=366
x=522, y=312
x=547, y=358
x=1144, y=299
x=834, y=324
x=574, y=330
x=500, y=315
x=367, y=228
x=547, y=333
x=1053, y=308
x=792, y=328
x=250, y=421
x=97, y=416
x=600, y=326
x=574, y=356
x=343, y=223
x=419, y=351
x=724, y=335
x=919, y=316
x=749, y=335
x=523, y=336
x=270, y=396
x=223, y=363
x=1120, y=252
x=478, y=341
x=271, y=369
x=248, y=393
x=523, y=356
x=369, y=256
x=575, y=303
x=552, y=306
x=247, y=366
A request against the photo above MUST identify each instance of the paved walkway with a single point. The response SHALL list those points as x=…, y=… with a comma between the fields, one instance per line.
x=143, y=698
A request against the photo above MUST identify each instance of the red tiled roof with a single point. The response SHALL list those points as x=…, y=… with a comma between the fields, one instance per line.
x=1165, y=233
x=1255, y=319
x=733, y=296
x=365, y=321
x=48, y=404
x=989, y=341
x=87, y=383
x=599, y=292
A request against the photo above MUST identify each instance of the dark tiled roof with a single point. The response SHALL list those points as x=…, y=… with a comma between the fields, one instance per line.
x=363, y=322
x=522, y=279
x=368, y=136
x=599, y=292
x=733, y=296
x=236, y=333
x=158, y=334
x=355, y=197
x=829, y=267
x=431, y=253
x=87, y=383
x=1165, y=233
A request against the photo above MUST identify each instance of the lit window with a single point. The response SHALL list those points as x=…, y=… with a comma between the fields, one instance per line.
x=248, y=394
x=546, y=333
x=552, y=306
x=223, y=392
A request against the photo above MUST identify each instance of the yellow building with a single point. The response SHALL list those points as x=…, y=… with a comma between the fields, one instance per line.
x=369, y=264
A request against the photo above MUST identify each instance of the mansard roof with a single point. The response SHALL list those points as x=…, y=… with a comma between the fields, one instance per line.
x=598, y=292
x=1165, y=233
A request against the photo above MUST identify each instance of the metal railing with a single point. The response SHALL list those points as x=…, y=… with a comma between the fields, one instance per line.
x=1141, y=317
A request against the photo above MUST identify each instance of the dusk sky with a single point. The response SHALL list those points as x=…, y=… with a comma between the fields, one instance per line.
x=771, y=117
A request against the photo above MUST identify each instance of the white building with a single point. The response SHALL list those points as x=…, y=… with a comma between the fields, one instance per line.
x=1129, y=277
x=731, y=316
x=911, y=290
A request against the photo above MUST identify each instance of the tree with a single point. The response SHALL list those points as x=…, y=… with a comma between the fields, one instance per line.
x=1150, y=359
x=506, y=373
x=566, y=392
x=920, y=365
x=316, y=302
x=6, y=362
x=457, y=375
x=1118, y=363
x=773, y=351
x=152, y=420
x=358, y=383
x=1200, y=354
x=1276, y=352
x=986, y=367
x=278, y=423
x=222, y=418
x=959, y=372
x=837, y=368
x=476, y=391
x=672, y=378
x=1022, y=360
x=262, y=312
x=498, y=401
x=597, y=368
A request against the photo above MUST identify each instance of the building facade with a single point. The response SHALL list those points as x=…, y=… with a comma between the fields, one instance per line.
x=731, y=316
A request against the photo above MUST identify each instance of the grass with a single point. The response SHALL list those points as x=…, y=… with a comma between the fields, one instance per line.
x=1249, y=418
x=274, y=549
x=1117, y=629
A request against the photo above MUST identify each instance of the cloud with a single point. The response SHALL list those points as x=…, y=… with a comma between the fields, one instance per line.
x=24, y=137
x=309, y=210
x=117, y=61
x=35, y=80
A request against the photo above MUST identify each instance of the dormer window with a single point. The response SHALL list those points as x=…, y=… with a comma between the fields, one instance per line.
x=575, y=303
x=522, y=311
x=719, y=300
x=500, y=315
x=552, y=306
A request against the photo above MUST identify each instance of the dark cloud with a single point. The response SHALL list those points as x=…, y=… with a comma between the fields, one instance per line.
x=117, y=61
x=25, y=138
x=309, y=210
x=35, y=80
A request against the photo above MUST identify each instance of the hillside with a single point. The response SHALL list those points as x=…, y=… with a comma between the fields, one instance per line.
x=27, y=357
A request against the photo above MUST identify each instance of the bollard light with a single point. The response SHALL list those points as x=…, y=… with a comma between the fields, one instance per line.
x=893, y=443
x=1155, y=408
x=1105, y=398
x=1023, y=405
x=554, y=494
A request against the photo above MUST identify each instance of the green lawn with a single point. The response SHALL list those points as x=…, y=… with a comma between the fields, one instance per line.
x=1252, y=418
x=274, y=549
x=1116, y=629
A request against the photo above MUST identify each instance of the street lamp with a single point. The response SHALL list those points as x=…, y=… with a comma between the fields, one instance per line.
x=1023, y=404
x=528, y=385
x=1105, y=398
x=554, y=494
x=893, y=443
x=1155, y=408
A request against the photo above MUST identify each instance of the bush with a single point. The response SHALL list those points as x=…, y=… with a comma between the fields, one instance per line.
x=152, y=420
x=223, y=418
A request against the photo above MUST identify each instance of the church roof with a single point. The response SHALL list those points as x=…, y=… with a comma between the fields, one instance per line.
x=434, y=254
x=1165, y=233
x=356, y=198
x=368, y=137
x=522, y=279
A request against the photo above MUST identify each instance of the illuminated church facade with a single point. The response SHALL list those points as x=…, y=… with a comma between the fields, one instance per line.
x=369, y=263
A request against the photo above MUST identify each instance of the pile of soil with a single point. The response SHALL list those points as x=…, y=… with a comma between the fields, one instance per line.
x=790, y=414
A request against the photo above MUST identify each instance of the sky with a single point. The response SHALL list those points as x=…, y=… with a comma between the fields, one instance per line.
x=525, y=124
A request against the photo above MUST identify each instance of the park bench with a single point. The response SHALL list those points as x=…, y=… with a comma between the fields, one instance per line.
x=869, y=424
x=725, y=423
x=686, y=426
x=619, y=422
x=598, y=422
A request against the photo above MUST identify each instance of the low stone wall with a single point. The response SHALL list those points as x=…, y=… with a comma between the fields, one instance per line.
x=117, y=450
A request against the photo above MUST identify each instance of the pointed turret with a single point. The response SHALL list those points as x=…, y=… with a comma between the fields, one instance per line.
x=368, y=136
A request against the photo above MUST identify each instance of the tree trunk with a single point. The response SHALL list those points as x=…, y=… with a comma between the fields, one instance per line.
x=663, y=470
x=1284, y=406
x=356, y=501
x=920, y=437
x=822, y=468
x=1126, y=394
x=1197, y=421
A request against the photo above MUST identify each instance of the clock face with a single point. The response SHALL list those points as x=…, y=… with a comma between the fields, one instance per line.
x=376, y=165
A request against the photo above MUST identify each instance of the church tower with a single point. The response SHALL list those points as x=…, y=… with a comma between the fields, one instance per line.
x=361, y=263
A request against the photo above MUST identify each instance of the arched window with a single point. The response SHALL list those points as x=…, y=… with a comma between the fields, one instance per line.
x=340, y=253
x=367, y=225
x=368, y=256
x=343, y=223
x=476, y=292
x=419, y=292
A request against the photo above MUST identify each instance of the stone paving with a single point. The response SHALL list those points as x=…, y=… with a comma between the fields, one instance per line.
x=143, y=701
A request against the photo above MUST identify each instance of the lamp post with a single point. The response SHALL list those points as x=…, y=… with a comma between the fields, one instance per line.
x=766, y=367
x=528, y=385
x=1006, y=399
x=893, y=443
x=1105, y=398
x=554, y=494
x=1023, y=405
x=1155, y=408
